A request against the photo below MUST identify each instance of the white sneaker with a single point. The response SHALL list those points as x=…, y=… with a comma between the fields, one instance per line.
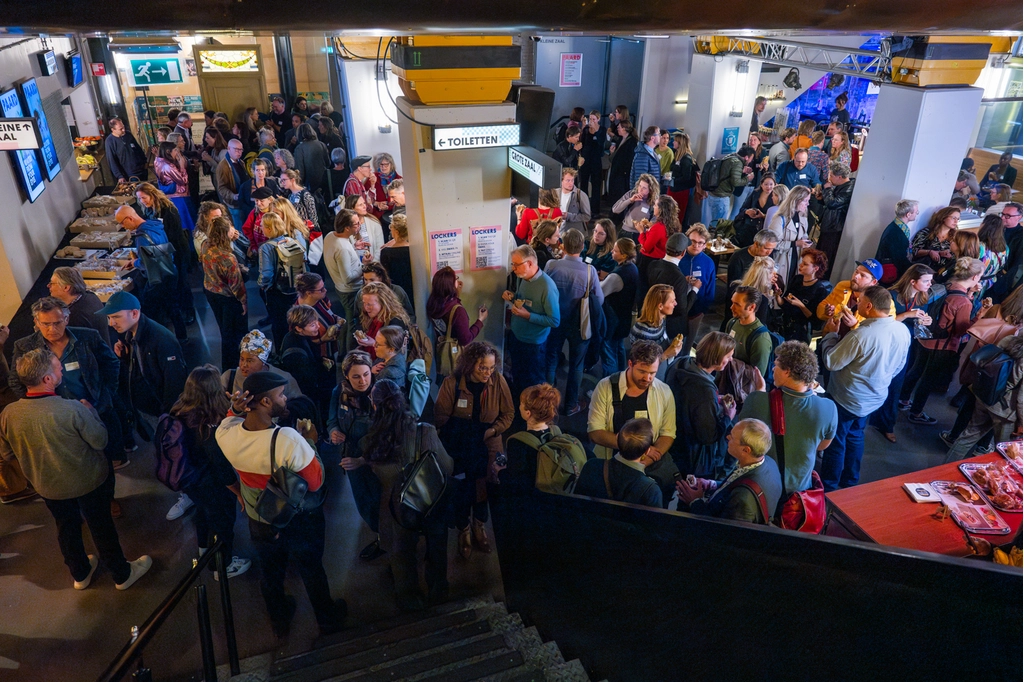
x=237, y=567
x=180, y=507
x=93, y=563
x=139, y=568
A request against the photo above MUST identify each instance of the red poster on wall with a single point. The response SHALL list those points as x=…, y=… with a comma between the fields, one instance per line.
x=99, y=69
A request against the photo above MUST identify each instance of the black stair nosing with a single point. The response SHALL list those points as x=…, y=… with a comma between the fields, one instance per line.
x=424, y=664
x=402, y=619
x=413, y=630
x=387, y=655
x=528, y=673
x=487, y=667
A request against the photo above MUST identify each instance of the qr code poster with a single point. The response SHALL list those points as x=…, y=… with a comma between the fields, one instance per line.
x=485, y=245
x=446, y=250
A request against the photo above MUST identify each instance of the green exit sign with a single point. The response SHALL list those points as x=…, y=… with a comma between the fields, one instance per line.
x=155, y=71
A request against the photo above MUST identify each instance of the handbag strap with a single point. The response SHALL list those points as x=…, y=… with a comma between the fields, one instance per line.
x=754, y=488
x=451, y=317
x=778, y=418
x=607, y=483
x=273, y=449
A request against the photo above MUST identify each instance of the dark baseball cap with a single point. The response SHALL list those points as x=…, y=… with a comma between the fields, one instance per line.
x=259, y=383
x=120, y=301
x=262, y=193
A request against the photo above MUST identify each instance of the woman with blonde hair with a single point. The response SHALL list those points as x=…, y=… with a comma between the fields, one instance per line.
x=658, y=304
x=278, y=302
x=763, y=276
x=684, y=172
x=295, y=226
x=380, y=308
x=841, y=150
x=637, y=204
x=790, y=224
x=395, y=255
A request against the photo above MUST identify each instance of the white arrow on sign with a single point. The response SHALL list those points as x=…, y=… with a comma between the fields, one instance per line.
x=162, y=72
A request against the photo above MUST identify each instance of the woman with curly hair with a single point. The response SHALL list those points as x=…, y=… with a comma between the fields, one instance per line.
x=388, y=446
x=805, y=291
x=202, y=406
x=283, y=160
x=380, y=308
x=375, y=272
x=637, y=204
x=931, y=245
x=654, y=237
x=474, y=407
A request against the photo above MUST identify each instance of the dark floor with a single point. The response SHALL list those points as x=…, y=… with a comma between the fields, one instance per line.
x=49, y=631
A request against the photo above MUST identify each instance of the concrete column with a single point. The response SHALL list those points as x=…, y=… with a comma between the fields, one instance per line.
x=716, y=91
x=918, y=139
x=462, y=188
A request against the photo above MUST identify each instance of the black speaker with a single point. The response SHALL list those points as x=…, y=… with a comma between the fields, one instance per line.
x=99, y=53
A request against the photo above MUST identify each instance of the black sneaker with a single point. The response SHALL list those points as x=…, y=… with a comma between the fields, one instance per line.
x=947, y=438
x=372, y=551
x=921, y=418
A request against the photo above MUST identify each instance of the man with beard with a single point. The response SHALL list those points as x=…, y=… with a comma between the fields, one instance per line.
x=842, y=302
x=247, y=436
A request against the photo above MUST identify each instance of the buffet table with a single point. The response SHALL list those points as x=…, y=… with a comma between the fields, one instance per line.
x=883, y=513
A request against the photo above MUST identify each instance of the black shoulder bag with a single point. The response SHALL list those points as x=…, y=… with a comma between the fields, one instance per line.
x=287, y=493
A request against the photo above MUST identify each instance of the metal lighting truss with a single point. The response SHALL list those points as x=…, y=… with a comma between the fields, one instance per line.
x=874, y=66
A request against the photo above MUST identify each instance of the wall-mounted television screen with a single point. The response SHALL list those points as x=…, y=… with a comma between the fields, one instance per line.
x=32, y=105
x=75, y=68
x=25, y=160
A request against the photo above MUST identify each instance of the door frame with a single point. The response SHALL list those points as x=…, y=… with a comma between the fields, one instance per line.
x=202, y=77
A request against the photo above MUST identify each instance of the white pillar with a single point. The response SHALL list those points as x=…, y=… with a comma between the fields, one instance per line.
x=918, y=139
x=716, y=91
x=462, y=188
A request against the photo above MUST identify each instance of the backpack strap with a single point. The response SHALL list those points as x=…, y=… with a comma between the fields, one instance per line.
x=755, y=489
x=751, y=336
x=231, y=380
x=527, y=438
x=777, y=413
x=607, y=483
x=273, y=449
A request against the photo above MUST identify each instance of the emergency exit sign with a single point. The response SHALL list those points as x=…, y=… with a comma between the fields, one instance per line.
x=155, y=71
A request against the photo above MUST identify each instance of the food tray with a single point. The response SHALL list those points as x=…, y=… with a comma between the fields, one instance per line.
x=89, y=253
x=105, y=288
x=977, y=516
x=968, y=469
x=101, y=240
x=1015, y=463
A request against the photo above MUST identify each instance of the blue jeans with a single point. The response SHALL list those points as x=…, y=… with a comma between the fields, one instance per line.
x=238, y=217
x=529, y=364
x=613, y=356
x=884, y=418
x=715, y=208
x=577, y=356
x=840, y=463
x=737, y=201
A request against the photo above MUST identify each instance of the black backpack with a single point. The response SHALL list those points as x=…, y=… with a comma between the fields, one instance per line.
x=993, y=367
x=709, y=176
x=775, y=338
x=324, y=215
x=935, y=312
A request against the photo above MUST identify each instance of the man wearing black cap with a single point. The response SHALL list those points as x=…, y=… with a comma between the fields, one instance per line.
x=246, y=436
x=362, y=169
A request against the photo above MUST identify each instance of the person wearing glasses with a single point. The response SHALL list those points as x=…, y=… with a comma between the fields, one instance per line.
x=1011, y=275
x=535, y=313
x=67, y=286
x=697, y=266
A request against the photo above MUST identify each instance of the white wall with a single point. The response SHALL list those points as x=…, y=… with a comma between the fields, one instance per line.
x=666, y=78
x=366, y=113
x=588, y=95
x=903, y=162
x=30, y=233
x=715, y=87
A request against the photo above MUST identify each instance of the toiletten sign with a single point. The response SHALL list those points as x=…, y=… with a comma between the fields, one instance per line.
x=476, y=137
x=19, y=133
x=570, y=70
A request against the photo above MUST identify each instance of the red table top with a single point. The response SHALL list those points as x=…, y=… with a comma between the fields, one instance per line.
x=886, y=514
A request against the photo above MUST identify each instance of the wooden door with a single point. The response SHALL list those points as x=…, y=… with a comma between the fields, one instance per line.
x=231, y=78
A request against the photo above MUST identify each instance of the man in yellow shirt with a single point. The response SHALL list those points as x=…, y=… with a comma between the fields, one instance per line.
x=847, y=293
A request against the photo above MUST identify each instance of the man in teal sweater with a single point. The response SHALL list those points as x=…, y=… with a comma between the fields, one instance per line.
x=534, y=314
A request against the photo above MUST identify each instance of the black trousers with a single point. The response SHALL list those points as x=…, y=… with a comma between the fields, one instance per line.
x=233, y=324
x=301, y=541
x=162, y=302
x=94, y=507
x=277, y=310
x=214, y=515
x=590, y=184
x=932, y=370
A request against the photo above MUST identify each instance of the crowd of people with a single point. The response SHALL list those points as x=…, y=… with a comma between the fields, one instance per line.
x=339, y=369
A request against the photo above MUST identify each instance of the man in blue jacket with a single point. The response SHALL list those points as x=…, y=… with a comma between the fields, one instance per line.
x=645, y=160
x=622, y=477
x=798, y=172
x=698, y=265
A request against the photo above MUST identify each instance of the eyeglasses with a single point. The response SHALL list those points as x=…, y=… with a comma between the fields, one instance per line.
x=1010, y=216
x=514, y=265
x=698, y=242
x=51, y=325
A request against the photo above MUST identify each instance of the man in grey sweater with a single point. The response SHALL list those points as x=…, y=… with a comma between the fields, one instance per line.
x=59, y=444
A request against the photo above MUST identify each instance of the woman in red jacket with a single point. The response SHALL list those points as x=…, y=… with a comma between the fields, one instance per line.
x=549, y=208
x=654, y=237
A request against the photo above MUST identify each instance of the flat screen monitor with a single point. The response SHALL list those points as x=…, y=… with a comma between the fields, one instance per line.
x=32, y=105
x=25, y=160
x=74, y=66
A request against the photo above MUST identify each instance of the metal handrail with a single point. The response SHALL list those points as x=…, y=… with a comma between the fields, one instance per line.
x=132, y=651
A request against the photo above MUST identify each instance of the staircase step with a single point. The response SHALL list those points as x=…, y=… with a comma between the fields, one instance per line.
x=543, y=656
x=573, y=671
x=405, y=619
x=437, y=665
x=410, y=632
x=485, y=668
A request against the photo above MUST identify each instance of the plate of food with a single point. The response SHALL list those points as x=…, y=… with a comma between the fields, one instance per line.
x=997, y=483
x=970, y=509
x=1012, y=452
